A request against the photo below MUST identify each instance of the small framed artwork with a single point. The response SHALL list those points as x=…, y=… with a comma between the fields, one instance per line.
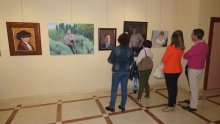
x=140, y=26
x=137, y=32
x=107, y=38
x=71, y=38
x=159, y=38
x=24, y=38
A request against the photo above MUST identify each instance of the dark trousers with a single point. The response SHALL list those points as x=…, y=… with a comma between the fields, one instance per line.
x=186, y=73
x=171, y=82
x=136, y=50
x=143, y=83
x=72, y=48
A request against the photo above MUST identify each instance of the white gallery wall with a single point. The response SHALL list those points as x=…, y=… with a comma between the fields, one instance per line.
x=22, y=76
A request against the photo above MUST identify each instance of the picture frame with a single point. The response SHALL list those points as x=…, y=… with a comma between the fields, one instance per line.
x=141, y=27
x=159, y=38
x=107, y=38
x=70, y=38
x=24, y=38
x=139, y=35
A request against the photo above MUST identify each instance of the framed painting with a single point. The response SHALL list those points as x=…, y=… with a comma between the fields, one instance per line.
x=140, y=26
x=107, y=38
x=71, y=38
x=159, y=38
x=24, y=38
x=137, y=32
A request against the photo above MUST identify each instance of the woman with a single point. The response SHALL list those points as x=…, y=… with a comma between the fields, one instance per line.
x=144, y=75
x=122, y=58
x=173, y=68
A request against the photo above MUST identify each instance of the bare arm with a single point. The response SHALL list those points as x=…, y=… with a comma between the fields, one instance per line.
x=67, y=43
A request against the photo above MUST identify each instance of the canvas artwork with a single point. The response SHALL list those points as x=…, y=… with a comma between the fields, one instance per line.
x=71, y=38
x=138, y=33
x=24, y=38
x=159, y=38
x=107, y=38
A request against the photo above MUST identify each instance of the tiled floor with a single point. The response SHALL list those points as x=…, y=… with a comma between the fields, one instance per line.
x=90, y=109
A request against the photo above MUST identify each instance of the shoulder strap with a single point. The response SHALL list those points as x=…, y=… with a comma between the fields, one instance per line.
x=145, y=52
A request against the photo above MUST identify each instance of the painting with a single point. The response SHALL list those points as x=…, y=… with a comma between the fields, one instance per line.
x=24, y=38
x=137, y=32
x=71, y=38
x=159, y=38
x=107, y=38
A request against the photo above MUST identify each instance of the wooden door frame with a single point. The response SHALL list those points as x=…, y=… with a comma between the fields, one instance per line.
x=213, y=20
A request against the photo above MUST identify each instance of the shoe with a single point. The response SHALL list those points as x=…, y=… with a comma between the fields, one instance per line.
x=135, y=91
x=168, y=109
x=187, y=101
x=109, y=109
x=122, y=109
x=188, y=108
x=148, y=98
x=139, y=100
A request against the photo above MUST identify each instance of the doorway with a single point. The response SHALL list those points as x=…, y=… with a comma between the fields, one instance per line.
x=212, y=71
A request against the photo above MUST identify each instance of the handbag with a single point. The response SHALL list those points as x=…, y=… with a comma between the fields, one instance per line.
x=159, y=72
x=145, y=64
x=131, y=76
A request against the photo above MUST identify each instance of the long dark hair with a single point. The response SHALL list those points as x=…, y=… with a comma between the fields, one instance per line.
x=177, y=40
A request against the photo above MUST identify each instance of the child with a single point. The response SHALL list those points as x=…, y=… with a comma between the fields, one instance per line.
x=135, y=74
x=160, y=41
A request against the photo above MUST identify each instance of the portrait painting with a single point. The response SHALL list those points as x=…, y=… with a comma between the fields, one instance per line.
x=137, y=32
x=24, y=38
x=107, y=38
x=159, y=38
x=71, y=38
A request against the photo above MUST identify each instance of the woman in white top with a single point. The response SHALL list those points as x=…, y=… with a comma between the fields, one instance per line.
x=144, y=75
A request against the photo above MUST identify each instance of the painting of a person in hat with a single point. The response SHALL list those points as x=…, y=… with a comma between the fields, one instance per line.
x=24, y=38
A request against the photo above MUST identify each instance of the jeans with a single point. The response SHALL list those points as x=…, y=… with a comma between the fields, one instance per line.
x=171, y=82
x=119, y=77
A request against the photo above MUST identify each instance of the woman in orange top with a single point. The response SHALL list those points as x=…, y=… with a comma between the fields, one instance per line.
x=173, y=67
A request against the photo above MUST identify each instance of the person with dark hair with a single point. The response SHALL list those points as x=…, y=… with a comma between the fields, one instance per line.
x=144, y=75
x=196, y=57
x=24, y=38
x=69, y=41
x=107, y=43
x=122, y=58
x=173, y=67
x=136, y=41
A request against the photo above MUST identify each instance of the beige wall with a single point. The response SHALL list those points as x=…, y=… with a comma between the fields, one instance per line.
x=208, y=9
x=191, y=14
x=186, y=19
x=22, y=76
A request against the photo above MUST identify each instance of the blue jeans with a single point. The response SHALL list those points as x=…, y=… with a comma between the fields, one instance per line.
x=119, y=77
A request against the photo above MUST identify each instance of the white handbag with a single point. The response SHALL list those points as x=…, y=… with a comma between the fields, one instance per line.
x=159, y=72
